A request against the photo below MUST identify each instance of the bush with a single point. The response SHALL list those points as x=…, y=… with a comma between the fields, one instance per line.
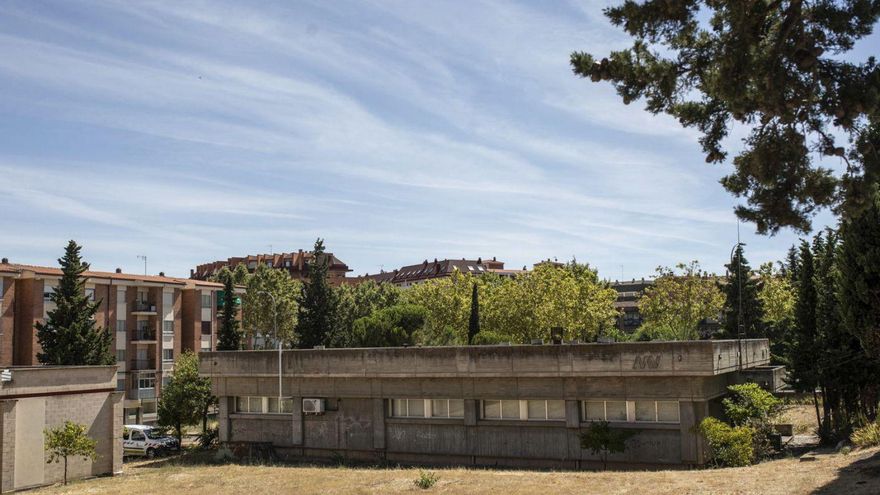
x=600, y=438
x=750, y=403
x=867, y=436
x=209, y=438
x=426, y=480
x=729, y=446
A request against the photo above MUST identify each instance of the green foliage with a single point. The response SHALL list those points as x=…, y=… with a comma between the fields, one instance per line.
x=389, y=327
x=602, y=439
x=186, y=398
x=675, y=304
x=720, y=64
x=69, y=336
x=240, y=275
x=740, y=282
x=69, y=440
x=804, y=347
x=317, y=304
x=867, y=436
x=209, y=438
x=750, y=403
x=515, y=310
x=474, y=322
x=777, y=298
x=359, y=301
x=229, y=334
x=426, y=479
x=859, y=278
x=259, y=309
x=728, y=446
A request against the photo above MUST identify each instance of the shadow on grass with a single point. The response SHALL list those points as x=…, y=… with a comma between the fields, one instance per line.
x=860, y=477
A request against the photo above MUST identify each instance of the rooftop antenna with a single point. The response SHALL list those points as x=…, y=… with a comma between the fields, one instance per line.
x=143, y=257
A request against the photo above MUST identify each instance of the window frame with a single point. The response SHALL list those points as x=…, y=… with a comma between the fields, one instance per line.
x=631, y=411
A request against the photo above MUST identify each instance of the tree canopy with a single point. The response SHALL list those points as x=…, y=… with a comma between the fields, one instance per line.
x=359, y=301
x=677, y=302
x=229, y=334
x=186, y=398
x=317, y=304
x=69, y=335
x=259, y=309
x=775, y=68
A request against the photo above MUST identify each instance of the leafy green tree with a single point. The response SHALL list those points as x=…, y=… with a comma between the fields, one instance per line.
x=69, y=440
x=748, y=402
x=186, y=398
x=69, y=336
x=774, y=67
x=359, y=301
x=317, y=304
x=740, y=282
x=259, y=309
x=229, y=334
x=729, y=446
x=676, y=303
x=389, y=327
x=446, y=302
x=474, y=322
x=602, y=439
x=240, y=275
x=859, y=281
x=777, y=298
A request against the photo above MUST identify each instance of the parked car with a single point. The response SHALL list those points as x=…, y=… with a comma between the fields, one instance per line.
x=145, y=440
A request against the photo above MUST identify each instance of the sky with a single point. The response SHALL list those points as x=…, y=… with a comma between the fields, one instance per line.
x=397, y=131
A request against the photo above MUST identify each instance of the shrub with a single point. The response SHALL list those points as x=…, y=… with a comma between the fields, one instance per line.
x=867, y=436
x=209, y=438
x=600, y=438
x=749, y=403
x=729, y=446
x=426, y=480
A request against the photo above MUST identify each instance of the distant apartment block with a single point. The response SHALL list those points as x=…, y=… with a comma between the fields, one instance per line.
x=414, y=274
x=296, y=264
x=153, y=319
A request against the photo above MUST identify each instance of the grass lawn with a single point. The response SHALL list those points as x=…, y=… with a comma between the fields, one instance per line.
x=854, y=474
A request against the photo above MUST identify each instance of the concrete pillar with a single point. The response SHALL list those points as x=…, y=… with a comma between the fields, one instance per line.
x=297, y=422
x=572, y=414
x=224, y=405
x=116, y=399
x=470, y=412
x=379, y=424
x=692, y=443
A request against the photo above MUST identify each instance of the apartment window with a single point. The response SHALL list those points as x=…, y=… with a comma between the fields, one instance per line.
x=604, y=410
x=120, y=384
x=47, y=292
x=249, y=405
x=143, y=325
x=90, y=293
x=148, y=407
x=146, y=382
x=206, y=301
x=120, y=355
x=167, y=354
x=408, y=408
x=165, y=379
x=206, y=328
x=168, y=327
x=286, y=406
x=546, y=409
x=501, y=409
x=447, y=408
x=120, y=325
x=287, y=264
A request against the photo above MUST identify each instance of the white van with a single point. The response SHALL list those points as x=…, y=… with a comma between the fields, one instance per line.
x=144, y=440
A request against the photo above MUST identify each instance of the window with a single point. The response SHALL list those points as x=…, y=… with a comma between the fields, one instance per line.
x=546, y=409
x=646, y=410
x=447, y=408
x=287, y=263
x=167, y=354
x=146, y=382
x=120, y=384
x=286, y=405
x=90, y=293
x=206, y=301
x=148, y=407
x=120, y=354
x=408, y=408
x=120, y=325
x=249, y=405
x=269, y=264
x=501, y=409
x=47, y=292
x=143, y=325
x=168, y=327
x=604, y=410
x=137, y=436
x=206, y=328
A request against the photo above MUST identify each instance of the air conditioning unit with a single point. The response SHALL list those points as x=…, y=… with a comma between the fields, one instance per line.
x=313, y=406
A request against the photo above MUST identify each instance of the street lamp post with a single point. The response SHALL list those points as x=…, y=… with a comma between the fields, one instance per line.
x=739, y=325
x=277, y=340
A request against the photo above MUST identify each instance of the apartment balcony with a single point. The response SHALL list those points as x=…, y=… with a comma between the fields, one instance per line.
x=143, y=364
x=144, y=335
x=145, y=308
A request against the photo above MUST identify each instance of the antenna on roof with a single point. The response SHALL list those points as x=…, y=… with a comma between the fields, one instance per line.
x=143, y=257
x=270, y=249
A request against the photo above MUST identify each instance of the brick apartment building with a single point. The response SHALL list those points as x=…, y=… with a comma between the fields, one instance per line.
x=296, y=264
x=414, y=274
x=153, y=320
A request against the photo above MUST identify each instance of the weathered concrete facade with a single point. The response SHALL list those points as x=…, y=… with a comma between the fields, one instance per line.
x=45, y=397
x=498, y=405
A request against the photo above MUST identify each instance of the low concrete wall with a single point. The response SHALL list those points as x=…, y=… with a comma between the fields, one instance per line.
x=40, y=398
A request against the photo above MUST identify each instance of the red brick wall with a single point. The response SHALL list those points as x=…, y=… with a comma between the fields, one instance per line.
x=7, y=320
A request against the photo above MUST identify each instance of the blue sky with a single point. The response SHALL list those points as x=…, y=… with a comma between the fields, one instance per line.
x=398, y=131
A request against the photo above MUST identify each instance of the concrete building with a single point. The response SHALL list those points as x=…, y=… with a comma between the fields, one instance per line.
x=38, y=398
x=479, y=405
x=153, y=320
x=296, y=264
x=414, y=274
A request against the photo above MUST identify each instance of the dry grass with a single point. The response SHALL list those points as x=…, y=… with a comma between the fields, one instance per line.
x=802, y=417
x=855, y=474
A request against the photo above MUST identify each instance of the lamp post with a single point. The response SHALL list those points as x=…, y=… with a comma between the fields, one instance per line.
x=277, y=339
x=739, y=325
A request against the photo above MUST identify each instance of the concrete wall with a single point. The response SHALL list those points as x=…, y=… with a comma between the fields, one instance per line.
x=357, y=385
x=40, y=398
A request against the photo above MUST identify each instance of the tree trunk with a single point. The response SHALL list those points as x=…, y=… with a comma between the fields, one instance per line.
x=179, y=428
x=816, y=403
x=65, y=470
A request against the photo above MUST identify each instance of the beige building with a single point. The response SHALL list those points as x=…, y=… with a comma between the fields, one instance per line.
x=153, y=320
x=33, y=399
x=520, y=406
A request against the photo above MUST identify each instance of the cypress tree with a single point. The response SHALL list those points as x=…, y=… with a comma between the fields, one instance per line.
x=860, y=277
x=69, y=336
x=804, y=347
x=317, y=305
x=474, y=323
x=739, y=272
x=229, y=335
